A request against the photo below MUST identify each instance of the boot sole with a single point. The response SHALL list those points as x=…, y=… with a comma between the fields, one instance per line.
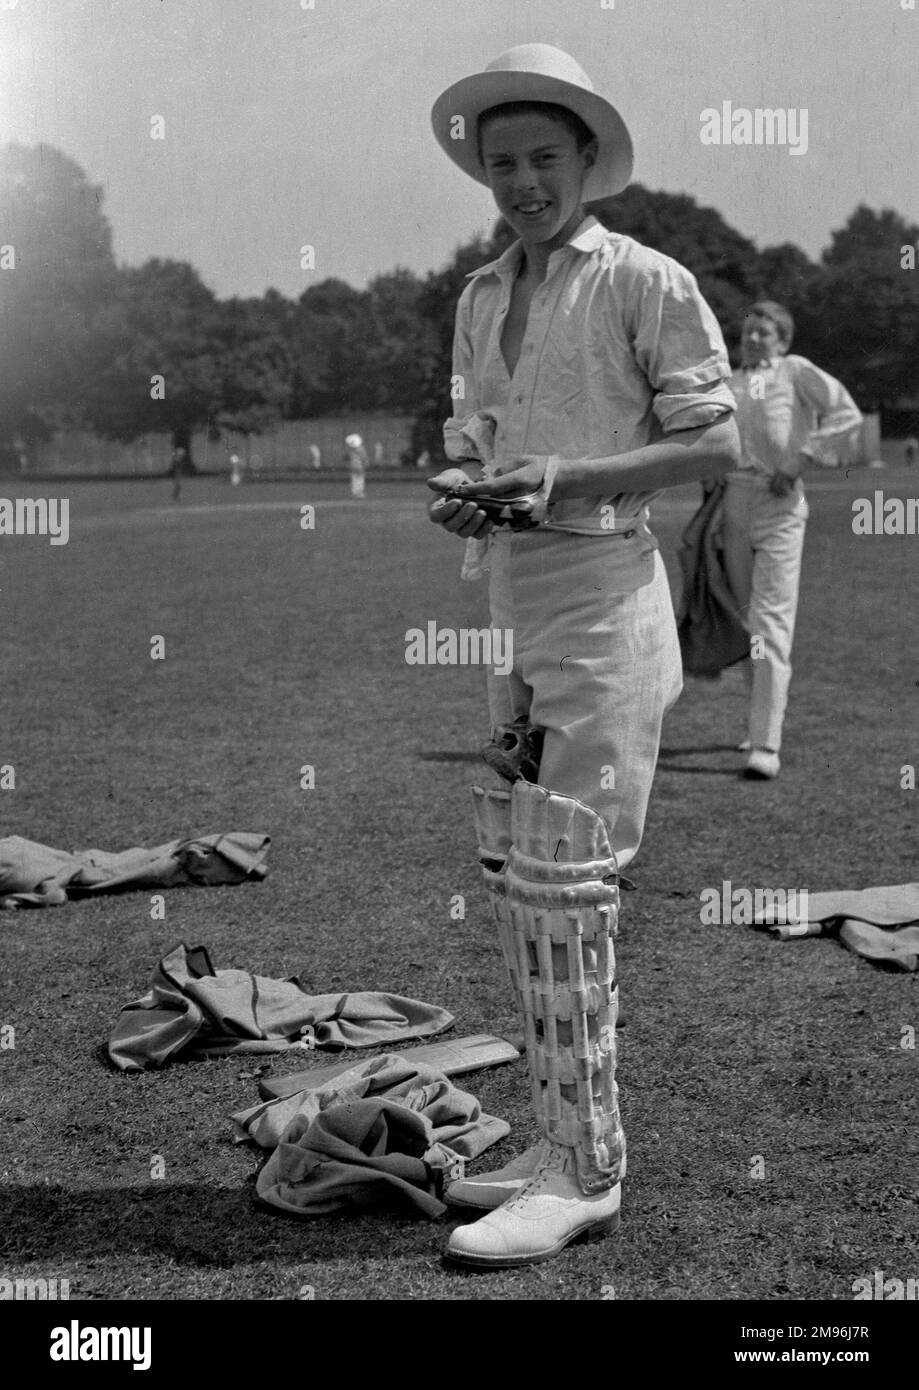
x=595, y=1230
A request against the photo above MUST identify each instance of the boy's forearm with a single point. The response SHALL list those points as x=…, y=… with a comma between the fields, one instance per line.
x=686, y=456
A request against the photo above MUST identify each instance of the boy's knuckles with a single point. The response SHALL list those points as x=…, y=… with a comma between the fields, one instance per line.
x=443, y=510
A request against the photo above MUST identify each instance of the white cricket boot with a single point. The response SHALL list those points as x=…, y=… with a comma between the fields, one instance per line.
x=762, y=765
x=546, y=1214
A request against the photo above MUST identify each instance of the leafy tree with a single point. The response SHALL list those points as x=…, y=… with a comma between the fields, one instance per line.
x=59, y=268
x=255, y=364
x=329, y=329
x=400, y=343
x=158, y=355
x=786, y=274
x=869, y=308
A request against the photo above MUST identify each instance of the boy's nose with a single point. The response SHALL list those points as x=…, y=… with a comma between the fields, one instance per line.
x=525, y=181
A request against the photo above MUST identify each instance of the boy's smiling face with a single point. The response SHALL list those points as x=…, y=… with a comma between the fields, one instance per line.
x=760, y=340
x=535, y=171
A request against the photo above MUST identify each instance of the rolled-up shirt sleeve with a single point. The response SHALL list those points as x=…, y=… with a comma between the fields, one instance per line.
x=679, y=346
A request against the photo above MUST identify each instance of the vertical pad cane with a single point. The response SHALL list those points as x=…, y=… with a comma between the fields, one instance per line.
x=493, y=831
x=562, y=901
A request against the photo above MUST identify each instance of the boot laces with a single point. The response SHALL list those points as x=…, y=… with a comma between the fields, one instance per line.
x=554, y=1160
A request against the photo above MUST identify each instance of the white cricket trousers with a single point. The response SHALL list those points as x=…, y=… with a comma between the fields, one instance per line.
x=596, y=665
x=763, y=544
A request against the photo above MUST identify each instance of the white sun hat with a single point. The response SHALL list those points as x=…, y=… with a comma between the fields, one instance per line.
x=534, y=72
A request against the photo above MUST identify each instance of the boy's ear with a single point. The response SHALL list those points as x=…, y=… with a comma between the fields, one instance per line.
x=590, y=154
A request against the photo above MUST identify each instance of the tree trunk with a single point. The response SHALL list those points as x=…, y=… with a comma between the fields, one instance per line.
x=10, y=464
x=181, y=439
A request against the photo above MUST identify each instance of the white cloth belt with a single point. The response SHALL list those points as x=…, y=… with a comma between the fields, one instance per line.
x=475, y=560
x=597, y=526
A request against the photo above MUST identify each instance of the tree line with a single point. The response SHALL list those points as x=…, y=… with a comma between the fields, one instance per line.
x=128, y=350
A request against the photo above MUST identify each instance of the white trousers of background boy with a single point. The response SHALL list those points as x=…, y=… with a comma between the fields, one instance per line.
x=596, y=664
x=763, y=543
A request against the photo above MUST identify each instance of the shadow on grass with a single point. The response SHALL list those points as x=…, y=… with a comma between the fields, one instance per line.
x=191, y=1224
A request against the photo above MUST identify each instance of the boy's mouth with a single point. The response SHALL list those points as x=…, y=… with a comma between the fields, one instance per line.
x=531, y=209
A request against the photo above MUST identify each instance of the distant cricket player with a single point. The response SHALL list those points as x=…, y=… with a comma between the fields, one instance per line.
x=357, y=464
x=594, y=375
x=784, y=406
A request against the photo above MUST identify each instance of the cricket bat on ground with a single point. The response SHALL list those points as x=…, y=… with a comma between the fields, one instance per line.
x=453, y=1058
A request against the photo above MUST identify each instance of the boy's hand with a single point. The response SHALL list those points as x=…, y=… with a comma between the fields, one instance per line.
x=458, y=517
x=526, y=483
x=781, y=484
x=525, y=475
x=449, y=480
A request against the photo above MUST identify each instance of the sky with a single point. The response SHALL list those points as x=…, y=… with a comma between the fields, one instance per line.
x=290, y=123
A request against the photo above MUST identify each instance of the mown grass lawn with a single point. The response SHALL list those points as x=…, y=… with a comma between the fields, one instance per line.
x=285, y=647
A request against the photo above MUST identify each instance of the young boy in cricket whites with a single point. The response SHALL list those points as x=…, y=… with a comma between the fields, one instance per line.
x=779, y=399
x=357, y=465
x=593, y=376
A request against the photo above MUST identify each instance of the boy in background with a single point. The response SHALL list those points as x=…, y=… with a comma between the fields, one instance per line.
x=780, y=400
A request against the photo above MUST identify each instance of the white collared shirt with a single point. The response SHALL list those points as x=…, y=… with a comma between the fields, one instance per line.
x=783, y=405
x=619, y=349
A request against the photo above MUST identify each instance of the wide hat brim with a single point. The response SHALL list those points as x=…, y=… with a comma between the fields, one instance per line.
x=469, y=97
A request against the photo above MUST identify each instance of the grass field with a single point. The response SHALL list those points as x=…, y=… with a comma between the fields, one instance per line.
x=284, y=647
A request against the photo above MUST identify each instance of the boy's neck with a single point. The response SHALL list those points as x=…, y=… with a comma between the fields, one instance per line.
x=763, y=360
x=536, y=255
x=535, y=262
